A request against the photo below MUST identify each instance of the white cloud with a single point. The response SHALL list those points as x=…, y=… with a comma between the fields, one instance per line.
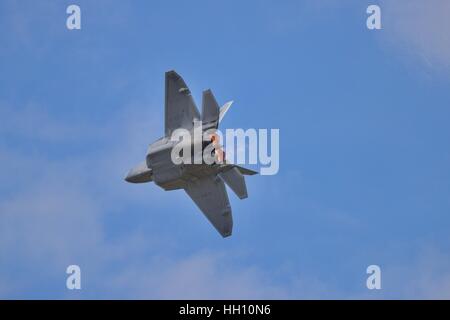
x=200, y=276
x=419, y=28
x=426, y=276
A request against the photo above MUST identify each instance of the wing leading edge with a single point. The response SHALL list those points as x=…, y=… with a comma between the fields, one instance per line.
x=210, y=195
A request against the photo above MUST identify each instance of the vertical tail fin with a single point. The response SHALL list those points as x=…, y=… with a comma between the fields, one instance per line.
x=224, y=110
x=210, y=110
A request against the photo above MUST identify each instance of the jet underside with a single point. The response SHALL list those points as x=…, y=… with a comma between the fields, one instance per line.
x=204, y=183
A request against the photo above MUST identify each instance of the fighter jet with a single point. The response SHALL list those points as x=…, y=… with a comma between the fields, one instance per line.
x=203, y=182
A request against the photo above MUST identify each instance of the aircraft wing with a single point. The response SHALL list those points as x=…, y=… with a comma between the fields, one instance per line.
x=180, y=109
x=210, y=195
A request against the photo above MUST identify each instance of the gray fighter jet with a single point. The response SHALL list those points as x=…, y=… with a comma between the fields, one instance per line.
x=204, y=183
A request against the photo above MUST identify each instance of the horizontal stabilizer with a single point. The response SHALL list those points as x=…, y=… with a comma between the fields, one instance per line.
x=246, y=171
x=236, y=181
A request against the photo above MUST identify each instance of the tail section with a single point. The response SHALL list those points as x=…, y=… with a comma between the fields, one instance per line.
x=211, y=113
x=245, y=171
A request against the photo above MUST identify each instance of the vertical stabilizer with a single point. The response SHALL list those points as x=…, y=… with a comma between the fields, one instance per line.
x=210, y=110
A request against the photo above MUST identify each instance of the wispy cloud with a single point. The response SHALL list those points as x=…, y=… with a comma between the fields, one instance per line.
x=420, y=29
x=426, y=276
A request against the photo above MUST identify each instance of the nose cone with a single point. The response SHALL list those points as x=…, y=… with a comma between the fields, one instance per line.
x=139, y=174
x=129, y=176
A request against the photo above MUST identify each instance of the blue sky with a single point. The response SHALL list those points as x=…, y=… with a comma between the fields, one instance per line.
x=364, y=149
